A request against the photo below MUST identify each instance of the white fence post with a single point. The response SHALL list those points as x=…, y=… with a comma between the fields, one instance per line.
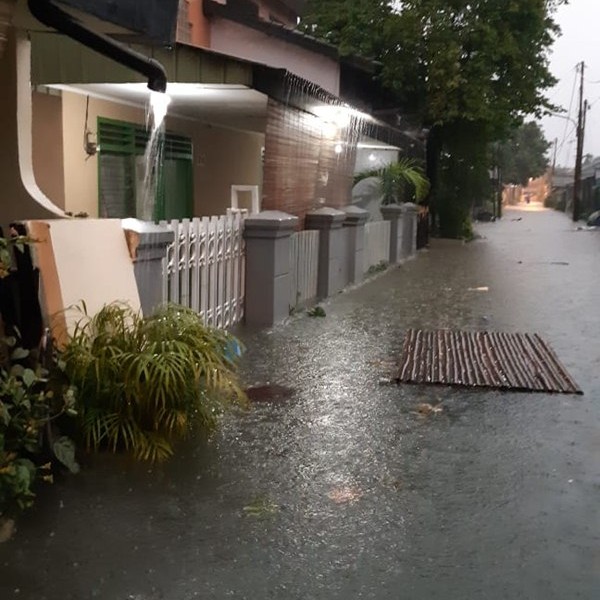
x=304, y=267
x=204, y=268
x=377, y=243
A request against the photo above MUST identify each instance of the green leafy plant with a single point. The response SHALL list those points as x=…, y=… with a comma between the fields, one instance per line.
x=402, y=181
x=147, y=382
x=6, y=246
x=32, y=398
x=378, y=268
x=317, y=311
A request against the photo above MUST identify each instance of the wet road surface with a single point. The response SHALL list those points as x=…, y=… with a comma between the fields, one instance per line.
x=337, y=489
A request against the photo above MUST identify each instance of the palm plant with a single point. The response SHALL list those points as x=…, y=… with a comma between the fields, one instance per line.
x=146, y=382
x=402, y=181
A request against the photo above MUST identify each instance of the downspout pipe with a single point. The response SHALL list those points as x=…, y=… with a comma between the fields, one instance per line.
x=52, y=16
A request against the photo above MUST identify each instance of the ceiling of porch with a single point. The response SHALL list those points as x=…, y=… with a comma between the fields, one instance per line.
x=232, y=106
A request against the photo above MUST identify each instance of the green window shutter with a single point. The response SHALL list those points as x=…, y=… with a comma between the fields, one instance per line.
x=121, y=145
x=116, y=187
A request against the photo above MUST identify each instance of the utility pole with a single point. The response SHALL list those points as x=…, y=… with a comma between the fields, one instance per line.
x=553, y=171
x=579, y=158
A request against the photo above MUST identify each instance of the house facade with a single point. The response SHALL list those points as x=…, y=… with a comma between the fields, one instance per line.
x=261, y=117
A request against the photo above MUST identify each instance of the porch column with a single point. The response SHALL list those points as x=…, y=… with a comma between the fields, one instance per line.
x=268, y=281
x=148, y=245
x=355, y=230
x=409, y=237
x=393, y=214
x=332, y=246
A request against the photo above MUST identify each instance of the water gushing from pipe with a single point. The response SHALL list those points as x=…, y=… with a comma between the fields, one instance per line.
x=153, y=155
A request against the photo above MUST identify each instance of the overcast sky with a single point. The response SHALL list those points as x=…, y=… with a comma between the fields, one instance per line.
x=580, y=40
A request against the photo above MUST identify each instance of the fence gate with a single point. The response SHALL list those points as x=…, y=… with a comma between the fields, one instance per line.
x=304, y=267
x=205, y=270
x=377, y=243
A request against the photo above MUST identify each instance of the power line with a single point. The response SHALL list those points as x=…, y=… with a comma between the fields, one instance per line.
x=570, y=109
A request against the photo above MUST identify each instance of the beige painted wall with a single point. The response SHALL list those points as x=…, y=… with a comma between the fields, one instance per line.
x=81, y=171
x=48, y=146
x=224, y=158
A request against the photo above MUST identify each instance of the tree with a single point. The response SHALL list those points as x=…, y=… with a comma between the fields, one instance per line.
x=468, y=70
x=346, y=25
x=523, y=154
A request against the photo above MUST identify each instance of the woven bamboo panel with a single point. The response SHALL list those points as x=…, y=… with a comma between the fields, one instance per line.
x=520, y=362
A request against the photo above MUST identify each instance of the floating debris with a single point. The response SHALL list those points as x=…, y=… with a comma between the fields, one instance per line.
x=345, y=494
x=426, y=409
x=261, y=507
x=519, y=362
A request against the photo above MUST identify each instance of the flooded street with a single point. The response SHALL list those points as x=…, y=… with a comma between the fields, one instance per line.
x=333, y=486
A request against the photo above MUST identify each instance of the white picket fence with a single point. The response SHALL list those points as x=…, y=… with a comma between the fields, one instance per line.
x=377, y=243
x=205, y=270
x=304, y=267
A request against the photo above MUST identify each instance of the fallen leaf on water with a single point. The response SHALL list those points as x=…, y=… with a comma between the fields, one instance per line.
x=260, y=508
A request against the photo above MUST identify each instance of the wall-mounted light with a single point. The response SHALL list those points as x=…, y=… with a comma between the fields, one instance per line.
x=338, y=149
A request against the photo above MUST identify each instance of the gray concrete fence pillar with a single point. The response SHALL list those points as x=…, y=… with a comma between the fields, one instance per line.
x=148, y=247
x=409, y=238
x=355, y=230
x=268, y=281
x=332, y=249
x=393, y=213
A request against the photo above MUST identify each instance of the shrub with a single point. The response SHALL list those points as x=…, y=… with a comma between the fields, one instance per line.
x=402, y=181
x=147, y=382
x=31, y=399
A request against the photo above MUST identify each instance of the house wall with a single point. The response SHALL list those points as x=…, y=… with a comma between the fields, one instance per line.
x=193, y=27
x=81, y=170
x=20, y=197
x=222, y=157
x=236, y=40
x=48, y=146
x=302, y=170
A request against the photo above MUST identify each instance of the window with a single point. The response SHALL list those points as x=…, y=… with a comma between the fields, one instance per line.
x=121, y=172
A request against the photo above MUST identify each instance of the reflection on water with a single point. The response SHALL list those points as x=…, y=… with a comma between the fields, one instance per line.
x=350, y=493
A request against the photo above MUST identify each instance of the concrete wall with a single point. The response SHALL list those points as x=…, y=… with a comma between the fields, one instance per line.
x=243, y=42
x=82, y=260
x=48, y=146
x=222, y=157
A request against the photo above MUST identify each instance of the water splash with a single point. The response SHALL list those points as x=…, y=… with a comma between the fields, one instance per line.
x=153, y=155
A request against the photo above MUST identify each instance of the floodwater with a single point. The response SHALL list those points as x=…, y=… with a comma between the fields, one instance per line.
x=332, y=486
